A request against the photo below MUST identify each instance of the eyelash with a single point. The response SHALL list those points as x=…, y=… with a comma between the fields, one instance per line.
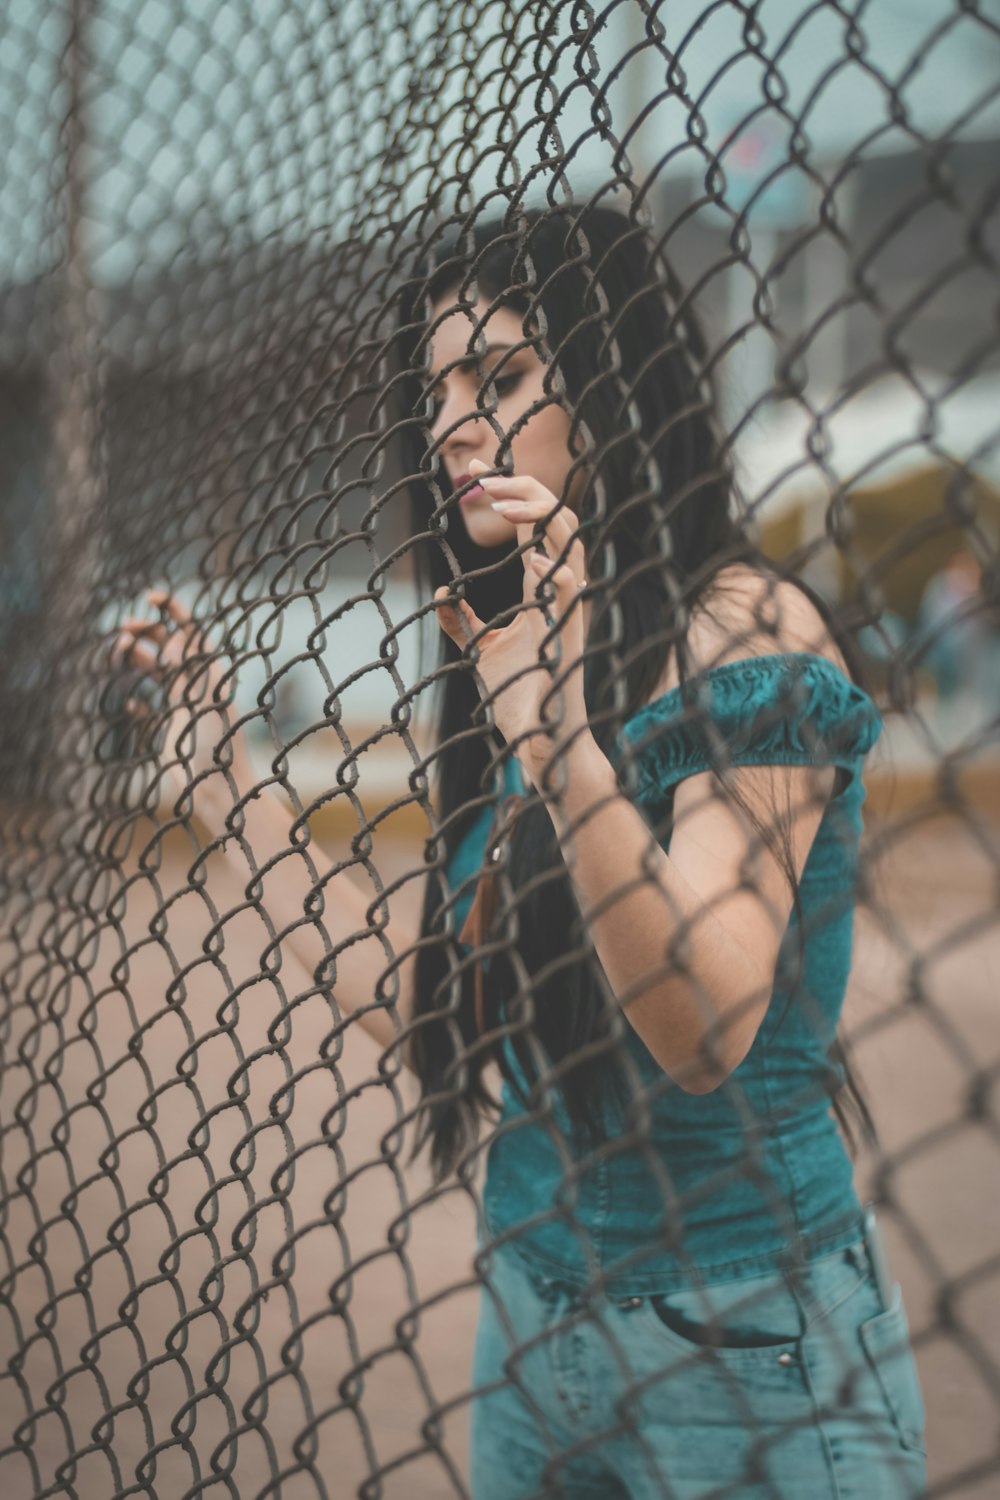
x=503, y=383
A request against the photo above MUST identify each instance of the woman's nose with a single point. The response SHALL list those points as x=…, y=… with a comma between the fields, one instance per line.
x=455, y=425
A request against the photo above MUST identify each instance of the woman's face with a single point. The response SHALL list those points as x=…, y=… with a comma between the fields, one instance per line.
x=540, y=448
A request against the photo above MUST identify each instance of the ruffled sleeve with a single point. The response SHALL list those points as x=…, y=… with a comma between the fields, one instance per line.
x=790, y=708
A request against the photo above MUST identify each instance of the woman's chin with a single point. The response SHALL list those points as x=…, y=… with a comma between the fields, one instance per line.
x=489, y=531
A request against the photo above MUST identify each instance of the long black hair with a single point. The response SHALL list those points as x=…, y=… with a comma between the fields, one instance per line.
x=626, y=357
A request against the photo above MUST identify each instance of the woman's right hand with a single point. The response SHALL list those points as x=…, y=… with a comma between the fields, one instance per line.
x=202, y=754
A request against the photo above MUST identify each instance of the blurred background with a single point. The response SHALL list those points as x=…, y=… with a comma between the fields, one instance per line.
x=201, y=208
x=825, y=188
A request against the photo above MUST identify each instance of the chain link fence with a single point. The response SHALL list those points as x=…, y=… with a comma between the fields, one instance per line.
x=227, y=234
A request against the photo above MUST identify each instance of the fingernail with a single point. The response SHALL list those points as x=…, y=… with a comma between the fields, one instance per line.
x=515, y=505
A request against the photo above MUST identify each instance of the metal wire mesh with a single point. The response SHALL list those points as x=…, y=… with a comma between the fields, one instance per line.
x=220, y=1270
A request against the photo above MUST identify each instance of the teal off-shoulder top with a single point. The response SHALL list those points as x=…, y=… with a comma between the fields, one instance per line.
x=731, y=1181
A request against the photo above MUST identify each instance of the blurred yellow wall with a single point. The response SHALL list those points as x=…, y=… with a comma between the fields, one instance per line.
x=902, y=532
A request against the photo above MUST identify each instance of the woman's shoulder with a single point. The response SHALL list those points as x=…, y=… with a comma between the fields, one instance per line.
x=749, y=613
x=765, y=685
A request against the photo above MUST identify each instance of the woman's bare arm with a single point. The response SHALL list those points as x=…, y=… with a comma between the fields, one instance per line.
x=174, y=650
x=369, y=951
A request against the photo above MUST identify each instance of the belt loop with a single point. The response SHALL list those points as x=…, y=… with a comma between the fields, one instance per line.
x=877, y=1257
x=798, y=1284
x=857, y=1256
x=803, y=1294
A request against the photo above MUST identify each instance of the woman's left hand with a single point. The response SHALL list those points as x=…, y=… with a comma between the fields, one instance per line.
x=520, y=663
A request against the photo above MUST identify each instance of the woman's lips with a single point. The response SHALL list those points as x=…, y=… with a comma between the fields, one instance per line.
x=474, y=492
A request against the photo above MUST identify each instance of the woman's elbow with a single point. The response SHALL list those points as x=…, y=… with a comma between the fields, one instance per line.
x=703, y=1083
x=719, y=1053
x=698, y=1052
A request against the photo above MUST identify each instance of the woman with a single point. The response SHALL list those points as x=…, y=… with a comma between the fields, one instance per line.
x=642, y=910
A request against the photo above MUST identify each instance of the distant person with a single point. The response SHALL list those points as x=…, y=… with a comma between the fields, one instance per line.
x=886, y=640
x=955, y=640
x=288, y=712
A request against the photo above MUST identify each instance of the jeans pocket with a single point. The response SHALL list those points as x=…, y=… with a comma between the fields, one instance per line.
x=885, y=1339
x=736, y=1322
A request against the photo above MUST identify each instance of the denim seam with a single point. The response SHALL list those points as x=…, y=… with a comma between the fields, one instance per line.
x=602, y=1212
x=807, y=1378
x=539, y=1261
x=826, y=1312
x=777, y=1140
x=913, y=1439
x=568, y=1363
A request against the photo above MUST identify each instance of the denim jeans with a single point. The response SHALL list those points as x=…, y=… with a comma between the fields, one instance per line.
x=758, y=1388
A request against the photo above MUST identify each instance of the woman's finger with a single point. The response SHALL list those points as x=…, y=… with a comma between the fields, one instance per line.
x=524, y=490
x=555, y=551
x=558, y=610
x=171, y=605
x=456, y=618
x=538, y=522
x=536, y=507
x=562, y=577
x=181, y=617
x=133, y=653
x=154, y=630
x=178, y=623
x=513, y=486
x=534, y=504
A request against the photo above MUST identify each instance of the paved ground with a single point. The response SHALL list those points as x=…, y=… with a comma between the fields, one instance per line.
x=332, y=1213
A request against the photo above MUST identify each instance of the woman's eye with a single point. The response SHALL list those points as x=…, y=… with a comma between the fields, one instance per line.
x=436, y=402
x=503, y=385
x=506, y=383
